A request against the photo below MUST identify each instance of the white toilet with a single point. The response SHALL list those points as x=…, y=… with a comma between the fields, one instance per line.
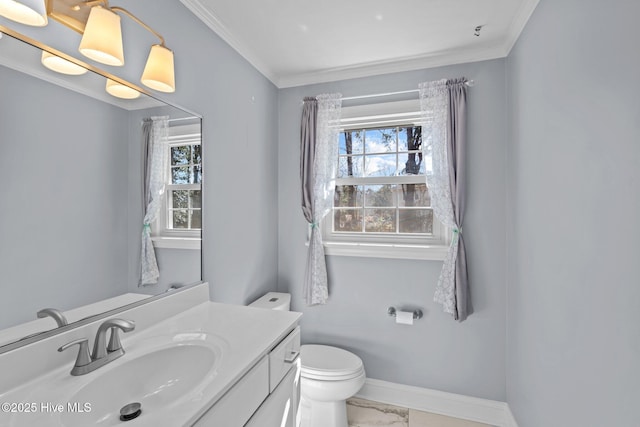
x=329, y=375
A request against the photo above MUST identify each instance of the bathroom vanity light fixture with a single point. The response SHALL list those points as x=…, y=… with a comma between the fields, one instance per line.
x=102, y=42
x=101, y=29
x=61, y=65
x=28, y=12
x=102, y=38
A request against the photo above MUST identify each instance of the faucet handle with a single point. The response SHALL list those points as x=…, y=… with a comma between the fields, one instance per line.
x=114, y=340
x=114, y=326
x=84, y=358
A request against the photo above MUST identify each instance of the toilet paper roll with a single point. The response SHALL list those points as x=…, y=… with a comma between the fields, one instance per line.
x=404, y=317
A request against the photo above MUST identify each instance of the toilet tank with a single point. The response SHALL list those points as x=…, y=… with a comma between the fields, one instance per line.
x=273, y=301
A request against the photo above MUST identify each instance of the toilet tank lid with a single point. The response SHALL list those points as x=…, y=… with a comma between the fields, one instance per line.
x=273, y=301
x=328, y=360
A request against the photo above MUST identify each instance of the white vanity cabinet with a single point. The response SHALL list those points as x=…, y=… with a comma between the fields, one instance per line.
x=264, y=396
x=281, y=407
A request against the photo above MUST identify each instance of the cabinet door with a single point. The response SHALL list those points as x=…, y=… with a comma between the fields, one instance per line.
x=237, y=405
x=279, y=409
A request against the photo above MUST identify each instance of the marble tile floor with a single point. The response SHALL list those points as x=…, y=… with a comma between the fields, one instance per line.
x=366, y=413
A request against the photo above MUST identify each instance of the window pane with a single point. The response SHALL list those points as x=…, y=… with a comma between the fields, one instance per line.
x=197, y=155
x=410, y=138
x=181, y=155
x=350, y=166
x=347, y=220
x=416, y=221
x=180, y=175
x=415, y=195
x=196, y=219
x=196, y=198
x=180, y=219
x=348, y=196
x=350, y=142
x=380, y=140
x=380, y=220
x=180, y=198
x=197, y=175
x=380, y=165
x=380, y=195
x=342, y=145
x=411, y=163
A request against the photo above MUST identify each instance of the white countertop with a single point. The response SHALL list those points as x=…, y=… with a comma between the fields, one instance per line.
x=245, y=335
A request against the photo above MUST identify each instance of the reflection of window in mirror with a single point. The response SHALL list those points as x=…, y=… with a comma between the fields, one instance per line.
x=180, y=220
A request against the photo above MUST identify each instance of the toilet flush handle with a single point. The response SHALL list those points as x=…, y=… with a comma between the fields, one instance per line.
x=293, y=355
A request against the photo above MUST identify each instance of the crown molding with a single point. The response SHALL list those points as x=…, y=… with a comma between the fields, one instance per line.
x=518, y=24
x=449, y=57
x=397, y=65
x=215, y=24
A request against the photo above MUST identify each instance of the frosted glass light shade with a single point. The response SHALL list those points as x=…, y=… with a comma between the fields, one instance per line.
x=102, y=38
x=28, y=12
x=61, y=65
x=121, y=91
x=159, y=73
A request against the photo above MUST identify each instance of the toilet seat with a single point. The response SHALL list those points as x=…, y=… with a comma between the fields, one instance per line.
x=326, y=363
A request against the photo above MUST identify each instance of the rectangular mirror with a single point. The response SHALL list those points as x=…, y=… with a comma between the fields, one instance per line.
x=72, y=175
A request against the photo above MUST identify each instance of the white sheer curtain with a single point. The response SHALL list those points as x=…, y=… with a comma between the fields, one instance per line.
x=155, y=141
x=436, y=104
x=320, y=171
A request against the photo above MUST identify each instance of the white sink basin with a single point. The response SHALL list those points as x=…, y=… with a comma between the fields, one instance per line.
x=157, y=380
x=160, y=373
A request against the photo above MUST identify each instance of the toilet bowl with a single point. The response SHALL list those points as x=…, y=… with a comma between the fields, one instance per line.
x=328, y=375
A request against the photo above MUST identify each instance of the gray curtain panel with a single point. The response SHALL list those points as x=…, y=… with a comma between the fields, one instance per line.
x=308, y=151
x=307, y=154
x=456, y=146
x=147, y=126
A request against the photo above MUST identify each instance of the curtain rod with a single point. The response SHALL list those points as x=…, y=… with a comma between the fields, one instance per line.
x=469, y=83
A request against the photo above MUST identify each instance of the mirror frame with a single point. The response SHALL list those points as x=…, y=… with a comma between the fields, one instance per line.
x=92, y=318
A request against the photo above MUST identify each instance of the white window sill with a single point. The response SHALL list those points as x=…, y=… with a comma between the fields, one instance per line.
x=381, y=250
x=177, y=243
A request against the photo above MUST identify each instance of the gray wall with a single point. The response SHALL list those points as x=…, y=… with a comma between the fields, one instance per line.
x=573, y=202
x=437, y=352
x=64, y=205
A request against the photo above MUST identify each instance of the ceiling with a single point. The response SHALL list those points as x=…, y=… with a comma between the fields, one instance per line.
x=299, y=42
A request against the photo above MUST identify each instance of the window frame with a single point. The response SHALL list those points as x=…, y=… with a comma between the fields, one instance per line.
x=164, y=236
x=384, y=245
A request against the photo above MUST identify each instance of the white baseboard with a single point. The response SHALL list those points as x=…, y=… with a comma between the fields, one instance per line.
x=511, y=420
x=486, y=411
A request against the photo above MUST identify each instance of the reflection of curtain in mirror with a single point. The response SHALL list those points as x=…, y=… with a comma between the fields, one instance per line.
x=154, y=136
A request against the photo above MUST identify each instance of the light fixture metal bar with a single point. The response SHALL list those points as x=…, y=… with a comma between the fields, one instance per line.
x=136, y=19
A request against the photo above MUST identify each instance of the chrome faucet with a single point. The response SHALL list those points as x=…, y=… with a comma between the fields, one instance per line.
x=55, y=314
x=103, y=353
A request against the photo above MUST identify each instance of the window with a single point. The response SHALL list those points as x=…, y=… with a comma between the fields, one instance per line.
x=180, y=221
x=382, y=205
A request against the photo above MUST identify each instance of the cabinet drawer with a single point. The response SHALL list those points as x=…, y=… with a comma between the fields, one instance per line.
x=283, y=357
x=239, y=403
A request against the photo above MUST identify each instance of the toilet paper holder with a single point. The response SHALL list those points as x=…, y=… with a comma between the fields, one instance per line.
x=417, y=314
